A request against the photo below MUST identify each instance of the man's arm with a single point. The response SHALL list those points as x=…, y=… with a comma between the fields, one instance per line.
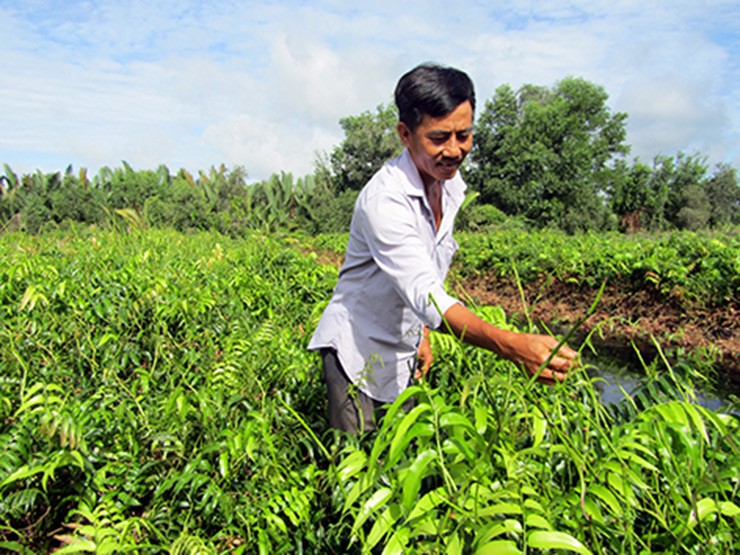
x=526, y=349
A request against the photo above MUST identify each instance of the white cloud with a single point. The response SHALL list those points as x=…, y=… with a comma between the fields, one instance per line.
x=670, y=115
x=264, y=146
x=264, y=84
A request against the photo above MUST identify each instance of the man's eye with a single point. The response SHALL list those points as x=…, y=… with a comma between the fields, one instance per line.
x=463, y=137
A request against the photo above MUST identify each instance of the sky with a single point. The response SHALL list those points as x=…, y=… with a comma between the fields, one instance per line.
x=262, y=85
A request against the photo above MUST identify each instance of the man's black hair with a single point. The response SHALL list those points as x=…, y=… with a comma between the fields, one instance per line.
x=433, y=90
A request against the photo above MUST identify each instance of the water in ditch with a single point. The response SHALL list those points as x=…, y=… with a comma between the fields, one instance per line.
x=619, y=369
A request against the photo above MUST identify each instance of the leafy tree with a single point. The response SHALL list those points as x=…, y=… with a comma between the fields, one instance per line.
x=370, y=139
x=128, y=188
x=723, y=194
x=190, y=206
x=35, y=201
x=10, y=197
x=676, y=198
x=227, y=193
x=687, y=206
x=330, y=212
x=695, y=212
x=660, y=187
x=540, y=153
x=629, y=192
x=76, y=200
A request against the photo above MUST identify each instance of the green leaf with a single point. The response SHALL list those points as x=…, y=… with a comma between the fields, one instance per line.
x=541, y=539
x=627, y=444
x=720, y=421
x=537, y=521
x=509, y=525
x=223, y=464
x=351, y=465
x=454, y=544
x=13, y=547
x=593, y=511
x=397, y=405
x=533, y=504
x=707, y=507
x=377, y=501
x=672, y=412
x=76, y=547
x=607, y=497
x=428, y=502
x=453, y=446
x=22, y=473
x=107, y=337
x=415, y=473
x=629, y=455
x=31, y=297
x=501, y=509
x=697, y=420
x=481, y=419
x=397, y=543
x=382, y=526
x=402, y=438
x=624, y=472
x=454, y=419
x=539, y=427
x=499, y=547
x=365, y=482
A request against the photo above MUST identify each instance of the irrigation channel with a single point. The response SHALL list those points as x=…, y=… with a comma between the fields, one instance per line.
x=616, y=363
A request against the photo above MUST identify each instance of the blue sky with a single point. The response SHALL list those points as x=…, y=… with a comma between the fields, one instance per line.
x=262, y=85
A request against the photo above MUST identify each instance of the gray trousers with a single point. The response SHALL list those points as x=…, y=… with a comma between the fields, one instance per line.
x=350, y=409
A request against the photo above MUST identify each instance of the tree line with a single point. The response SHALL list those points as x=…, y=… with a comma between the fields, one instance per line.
x=546, y=157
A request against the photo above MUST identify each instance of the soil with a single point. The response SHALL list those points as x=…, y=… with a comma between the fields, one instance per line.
x=622, y=317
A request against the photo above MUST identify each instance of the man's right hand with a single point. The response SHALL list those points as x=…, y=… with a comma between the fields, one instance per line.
x=531, y=351
x=528, y=350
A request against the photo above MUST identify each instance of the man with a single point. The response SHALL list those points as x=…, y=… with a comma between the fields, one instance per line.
x=390, y=293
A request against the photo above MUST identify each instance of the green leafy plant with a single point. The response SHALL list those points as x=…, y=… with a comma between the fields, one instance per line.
x=156, y=396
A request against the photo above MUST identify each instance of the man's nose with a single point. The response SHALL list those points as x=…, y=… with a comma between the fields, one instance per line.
x=452, y=148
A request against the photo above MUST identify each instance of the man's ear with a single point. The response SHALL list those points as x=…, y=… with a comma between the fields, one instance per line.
x=404, y=133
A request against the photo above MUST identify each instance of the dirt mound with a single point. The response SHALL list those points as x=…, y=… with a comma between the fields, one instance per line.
x=623, y=316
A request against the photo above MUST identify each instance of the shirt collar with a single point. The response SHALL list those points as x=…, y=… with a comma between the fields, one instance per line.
x=413, y=185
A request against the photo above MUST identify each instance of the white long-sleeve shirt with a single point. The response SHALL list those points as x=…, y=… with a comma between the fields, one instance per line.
x=395, y=264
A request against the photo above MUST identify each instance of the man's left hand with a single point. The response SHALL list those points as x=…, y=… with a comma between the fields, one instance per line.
x=425, y=357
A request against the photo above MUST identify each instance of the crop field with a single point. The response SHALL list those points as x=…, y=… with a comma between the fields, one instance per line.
x=695, y=267
x=156, y=396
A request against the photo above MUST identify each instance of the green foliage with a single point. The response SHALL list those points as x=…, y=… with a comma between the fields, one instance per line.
x=330, y=213
x=687, y=206
x=497, y=466
x=219, y=199
x=686, y=267
x=142, y=380
x=156, y=396
x=539, y=153
x=723, y=193
x=485, y=218
x=548, y=157
x=675, y=193
x=370, y=140
x=633, y=197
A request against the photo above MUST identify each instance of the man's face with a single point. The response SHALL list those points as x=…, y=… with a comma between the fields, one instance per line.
x=439, y=145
